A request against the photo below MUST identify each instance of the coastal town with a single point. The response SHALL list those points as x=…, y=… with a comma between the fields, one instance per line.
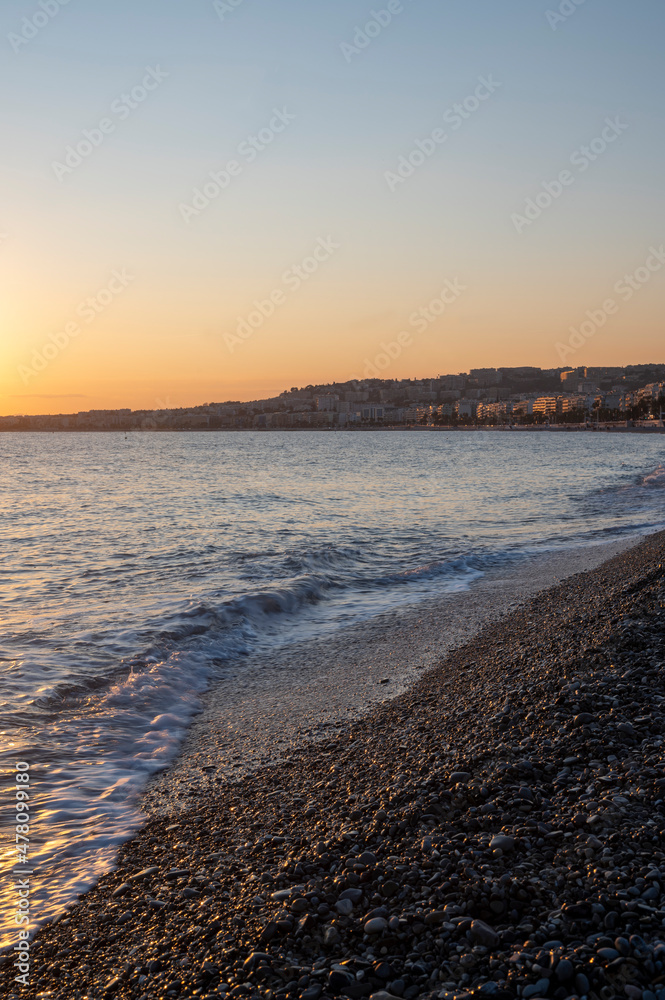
x=633, y=396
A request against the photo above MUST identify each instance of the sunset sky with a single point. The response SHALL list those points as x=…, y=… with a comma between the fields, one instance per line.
x=122, y=287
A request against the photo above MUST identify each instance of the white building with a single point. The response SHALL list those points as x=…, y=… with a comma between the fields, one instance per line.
x=467, y=408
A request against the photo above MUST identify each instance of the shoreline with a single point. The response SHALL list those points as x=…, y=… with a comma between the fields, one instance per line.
x=252, y=718
x=619, y=428
x=398, y=799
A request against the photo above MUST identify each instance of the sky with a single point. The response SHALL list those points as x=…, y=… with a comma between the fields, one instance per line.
x=205, y=200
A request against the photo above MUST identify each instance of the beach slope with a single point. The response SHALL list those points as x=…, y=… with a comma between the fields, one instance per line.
x=497, y=830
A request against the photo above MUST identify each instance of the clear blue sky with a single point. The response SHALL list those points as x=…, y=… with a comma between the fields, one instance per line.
x=323, y=176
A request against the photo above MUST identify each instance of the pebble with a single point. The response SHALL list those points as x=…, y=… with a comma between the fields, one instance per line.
x=146, y=873
x=565, y=970
x=177, y=873
x=608, y=954
x=376, y=925
x=485, y=934
x=502, y=843
x=354, y=895
x=312, y=992
x=460, y=777
x=344, y=906
x=330, y=936
x=582, y=984
x=538, y=989
x=389, y=889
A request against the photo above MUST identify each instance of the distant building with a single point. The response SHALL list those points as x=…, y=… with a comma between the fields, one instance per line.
x=486, y=376
x=521, y=373
x=545, y=405
x=586, y=386
x=372, y=412
x=452, y=381
x=652, y=391
x=566, y=404
x=574, y=373
x=494, y=411
x=327, y=403
x=604, y=373
x=523, y=407
x=467, y=408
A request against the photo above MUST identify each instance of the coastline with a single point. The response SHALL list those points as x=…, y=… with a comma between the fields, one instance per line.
x=309, y=690
x=362, y=793
x=619, y=428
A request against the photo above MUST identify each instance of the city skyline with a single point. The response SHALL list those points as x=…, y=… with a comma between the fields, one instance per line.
x=227, y=199
x=482, y=394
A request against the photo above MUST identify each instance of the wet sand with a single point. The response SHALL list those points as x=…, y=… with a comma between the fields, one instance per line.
x=307, y=691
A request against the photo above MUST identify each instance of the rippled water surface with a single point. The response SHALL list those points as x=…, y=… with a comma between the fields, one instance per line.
x=134, y=570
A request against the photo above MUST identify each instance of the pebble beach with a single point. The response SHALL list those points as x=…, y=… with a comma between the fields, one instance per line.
x=495, y=830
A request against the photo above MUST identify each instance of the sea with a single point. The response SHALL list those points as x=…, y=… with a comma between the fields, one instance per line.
x=139, y=569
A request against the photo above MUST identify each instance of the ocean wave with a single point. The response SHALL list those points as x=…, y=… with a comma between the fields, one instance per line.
x=90, y=796
x=227, y=629
x=655, y=479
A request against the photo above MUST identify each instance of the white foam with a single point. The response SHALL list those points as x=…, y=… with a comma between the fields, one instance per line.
x=655, y=478
x=85, y=804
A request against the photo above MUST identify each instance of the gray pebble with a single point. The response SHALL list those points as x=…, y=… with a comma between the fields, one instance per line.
x=376, y=925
